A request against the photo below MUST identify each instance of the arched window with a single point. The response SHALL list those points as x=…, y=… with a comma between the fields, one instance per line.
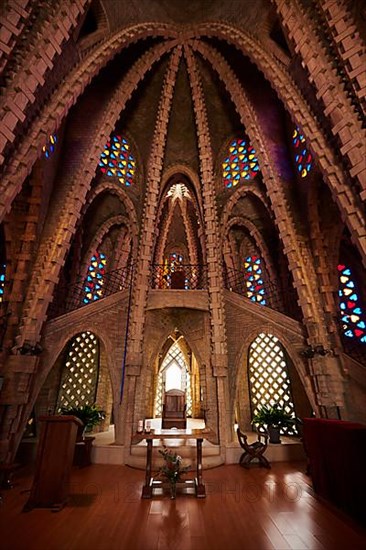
x=79, y=376
x=352, y=316
x=240, y=164
x=303, y=157
x=93, y=288
x=49, y=149
x=2, y=264
x=2, y=281
x=117, y=160
x=173, y=374
x=254, y=279
x=269, y=380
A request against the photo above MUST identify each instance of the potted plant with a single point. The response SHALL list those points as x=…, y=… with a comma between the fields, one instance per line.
x=172, y=469
x=90, y=415
x=273, y=418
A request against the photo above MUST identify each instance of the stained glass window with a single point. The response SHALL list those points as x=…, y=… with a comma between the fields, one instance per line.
x=117, y=160
x=93, y=288
x=268, y=377
x=303, y=157
x=352, y=316
x=254, y=279
x=80, y=372
x=49, y=149
x=2, y=281
x=241, y=163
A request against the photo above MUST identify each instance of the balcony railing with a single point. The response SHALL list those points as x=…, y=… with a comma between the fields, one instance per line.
x=174, y=277
x=178, y=277
x=273, y=297
x=71, y=297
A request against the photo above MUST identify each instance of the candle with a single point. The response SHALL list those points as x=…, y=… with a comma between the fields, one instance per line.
x=147, y=426
x=140, y=426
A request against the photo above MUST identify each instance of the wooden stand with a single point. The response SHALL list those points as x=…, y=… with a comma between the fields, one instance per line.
x=53, y=463
x=198, y=435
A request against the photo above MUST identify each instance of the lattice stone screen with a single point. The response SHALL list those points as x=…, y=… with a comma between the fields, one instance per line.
x=268, y=376
x=80, y=373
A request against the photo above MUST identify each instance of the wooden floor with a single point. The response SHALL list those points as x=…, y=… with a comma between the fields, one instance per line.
x=244, y=509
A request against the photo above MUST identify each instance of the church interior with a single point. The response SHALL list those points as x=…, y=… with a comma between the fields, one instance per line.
x=182, y=221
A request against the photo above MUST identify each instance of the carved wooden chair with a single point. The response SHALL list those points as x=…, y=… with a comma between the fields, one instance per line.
x=174, y=410
x=253, y=450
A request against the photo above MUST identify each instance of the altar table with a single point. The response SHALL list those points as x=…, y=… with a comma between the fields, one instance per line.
x=198, y=435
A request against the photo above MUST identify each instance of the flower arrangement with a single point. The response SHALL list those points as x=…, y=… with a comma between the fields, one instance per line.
x=172, y=469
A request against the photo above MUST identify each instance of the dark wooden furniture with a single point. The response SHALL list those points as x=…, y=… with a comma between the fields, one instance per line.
x=254, y=450
x=83, y=449
x=336, y=452
x=55, y=454
x=174, y=410
x=198, y=435
x=178, y=279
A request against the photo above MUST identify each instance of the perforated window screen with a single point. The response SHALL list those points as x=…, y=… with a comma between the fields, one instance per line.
x=268, y=376
x=80, y=373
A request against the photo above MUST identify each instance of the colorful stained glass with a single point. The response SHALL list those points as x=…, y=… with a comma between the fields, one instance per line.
x=303, y=157
x=241, y=163
x=254, y=279
x=352, y=316
x=2, y=281
x=49, y=149
x=117, y=160
x=93, y=287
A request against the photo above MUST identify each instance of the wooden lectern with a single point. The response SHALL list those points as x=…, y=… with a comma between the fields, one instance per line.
x=55, y=454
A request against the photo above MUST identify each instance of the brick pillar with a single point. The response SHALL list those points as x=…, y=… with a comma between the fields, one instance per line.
x=295, y=244
x=303, y=32
x=25, y=219
x=351, y=49
x=40, y=52
x=13, y=400
x=72, y=188
x=136, y=400
x=219, y=404
x=343, y=194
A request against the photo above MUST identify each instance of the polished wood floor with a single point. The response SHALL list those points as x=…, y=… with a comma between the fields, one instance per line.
x=244, y=509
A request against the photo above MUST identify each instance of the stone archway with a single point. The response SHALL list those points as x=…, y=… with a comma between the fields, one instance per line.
x=177, y=368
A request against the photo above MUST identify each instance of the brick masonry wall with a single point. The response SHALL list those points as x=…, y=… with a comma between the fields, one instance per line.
x=330, y=90
x=73, y=186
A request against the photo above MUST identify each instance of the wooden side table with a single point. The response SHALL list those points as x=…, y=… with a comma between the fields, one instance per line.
x=198, y=435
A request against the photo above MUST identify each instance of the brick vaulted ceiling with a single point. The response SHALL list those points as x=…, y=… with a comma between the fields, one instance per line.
x=114, y=62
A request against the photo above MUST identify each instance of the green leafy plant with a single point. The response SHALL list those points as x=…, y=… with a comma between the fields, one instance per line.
x=90, y=415
x=274, y=415
x=172, y=469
